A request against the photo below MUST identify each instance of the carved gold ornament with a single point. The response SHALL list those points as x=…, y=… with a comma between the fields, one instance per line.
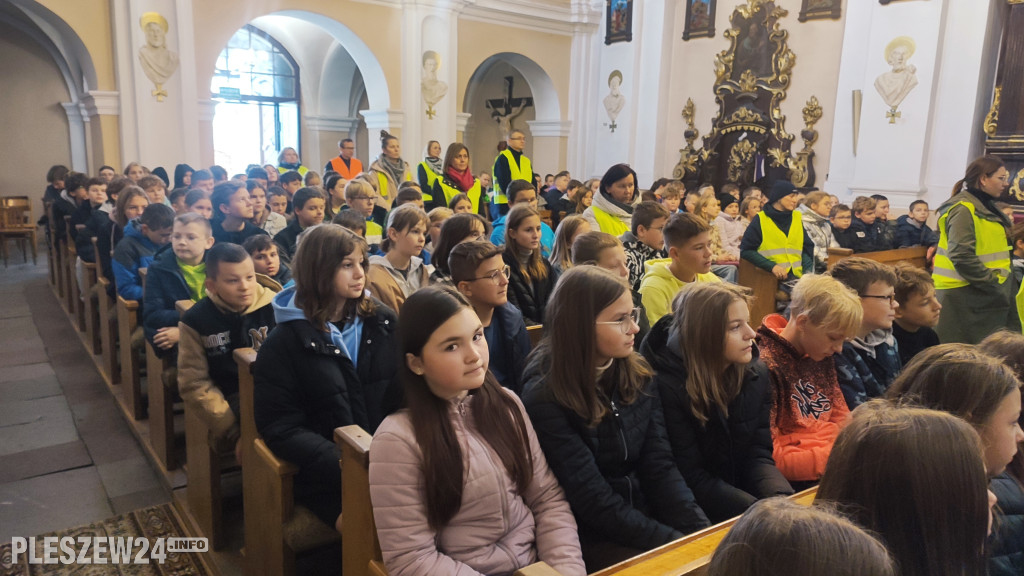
x=992, y=118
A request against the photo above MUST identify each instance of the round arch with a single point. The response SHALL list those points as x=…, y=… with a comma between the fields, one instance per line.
x=545, y=97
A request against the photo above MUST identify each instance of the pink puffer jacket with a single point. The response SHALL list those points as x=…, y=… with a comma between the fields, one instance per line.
x=496, y=531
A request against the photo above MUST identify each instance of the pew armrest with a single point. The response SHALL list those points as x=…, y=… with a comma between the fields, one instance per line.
x=183, y=306
x=537, y=569
x=281, y=468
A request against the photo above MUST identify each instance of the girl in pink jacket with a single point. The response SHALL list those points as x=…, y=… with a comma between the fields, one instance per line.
x=458, y=482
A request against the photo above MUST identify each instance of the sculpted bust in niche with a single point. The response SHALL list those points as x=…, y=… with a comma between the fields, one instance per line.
x=433, y=90
x=614, y=101
x=157, y=61
x=894, y=85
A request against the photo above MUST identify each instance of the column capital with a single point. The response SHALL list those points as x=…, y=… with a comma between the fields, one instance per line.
x=382, y=120
x=206, y=109
x=97, y=102
x=557, y=128
x=331, y=123
x=461, y=120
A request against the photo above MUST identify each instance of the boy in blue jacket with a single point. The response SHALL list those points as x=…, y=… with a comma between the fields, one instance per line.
x=142, y=238
x=913, y=230
x=178, y=273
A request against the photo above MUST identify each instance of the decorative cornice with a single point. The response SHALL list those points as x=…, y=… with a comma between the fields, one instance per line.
x=330, y=123
x=206, y=109
x=99, y=103
x=539, y=15
x=382, y=120
x=461, y=121
x=557, y=128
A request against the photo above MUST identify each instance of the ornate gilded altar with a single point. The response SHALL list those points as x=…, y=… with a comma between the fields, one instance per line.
x=748, y=143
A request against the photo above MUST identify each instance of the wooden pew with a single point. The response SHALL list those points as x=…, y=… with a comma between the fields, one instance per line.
x=73, y=295
x=276, y=528
x=161, y=384
x=131, y=363
x=915, y=256
x=535, y=333
x=91, y=307
x=688, y=556
x=108, y=322
x=51, y=255
x=361, y=554
x=764, y=285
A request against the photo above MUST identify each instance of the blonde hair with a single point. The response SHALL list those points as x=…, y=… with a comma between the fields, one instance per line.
x=827, y=303
x=706, y=191
x=357, y=187
x=674, y=189
x=439, y=214
x=814, y=197
x=862, y=203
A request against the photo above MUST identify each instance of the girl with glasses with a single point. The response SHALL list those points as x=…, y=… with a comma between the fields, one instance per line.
x=717, y=397
x=599, y=421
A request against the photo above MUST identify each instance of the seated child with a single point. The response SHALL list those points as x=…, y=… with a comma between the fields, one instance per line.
x=203, y=180
x=96, y=199
x=464, y=491
x=808, y=408
x=235, y=313
x=334, y=189
x=143, y=237
x=532, y=279
x=570, y=228
x=262, y=216
x=456, y=230
x=291, y=182
x=177, y=200
x=233, y=213
x=690, y=200
x=178, y=273
x=352, y=221
x=394, y=276
x=689, y=260
x=867, y=230
x=815, y=221
x=362, y=199
x=840, y=217
x=778, y=232
x=109, y=228
x=887, y=228
x=871, y=361
x=460, y=204
x=645, y=240
x=479, y=273
x=75, y=192
x=918, y=311
x=198, y=202
x=308, y=206
x=605, y=251
x=672, y=196
x=409, y=194
x=522, y=192
x=749, y=207
x=278, y=202
x=913, y=230
x=155, y=189
x=730, y=227
x=266, y=260
x=437, y=216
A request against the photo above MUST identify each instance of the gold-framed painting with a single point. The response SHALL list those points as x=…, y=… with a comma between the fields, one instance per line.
x=700, y=19
x=619, y=23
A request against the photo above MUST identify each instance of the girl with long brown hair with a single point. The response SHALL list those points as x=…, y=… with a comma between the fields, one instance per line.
x=717, y=397
x=458, y=481
x=599, y=421
x=532, y=277
x=916, y=478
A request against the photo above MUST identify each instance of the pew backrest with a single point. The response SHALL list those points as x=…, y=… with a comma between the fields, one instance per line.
x=915, y=256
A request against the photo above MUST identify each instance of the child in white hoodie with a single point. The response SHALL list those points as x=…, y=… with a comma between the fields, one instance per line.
x=394, y=276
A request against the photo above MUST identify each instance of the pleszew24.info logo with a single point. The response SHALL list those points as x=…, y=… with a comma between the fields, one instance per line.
x=101, y=549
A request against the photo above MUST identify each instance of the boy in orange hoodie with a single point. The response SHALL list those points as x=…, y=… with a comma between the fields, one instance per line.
x=808, y=409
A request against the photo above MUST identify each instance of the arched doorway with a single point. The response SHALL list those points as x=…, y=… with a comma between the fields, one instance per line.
x=315, y=74
x=506, y=91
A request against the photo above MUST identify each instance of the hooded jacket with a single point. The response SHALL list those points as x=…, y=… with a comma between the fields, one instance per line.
x=910, y=232
x=730, y=230
x=389, y=285
x=286, y=239
x=660, y=286
x=497, y=529
x=637, y=255
x=515, y=343
x=619, y=475
x=547, y=235
x=207, y=372
x=820, y=231
x=134, y=251
x=867, y=366
x=306, y=385
x=530, y=297
x=808, y=408
x=726, y=461
x=165, y=285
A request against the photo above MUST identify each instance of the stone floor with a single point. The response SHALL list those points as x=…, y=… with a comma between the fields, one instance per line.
x=67, y=457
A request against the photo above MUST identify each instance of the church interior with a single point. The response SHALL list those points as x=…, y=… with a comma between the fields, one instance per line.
x=851, y=97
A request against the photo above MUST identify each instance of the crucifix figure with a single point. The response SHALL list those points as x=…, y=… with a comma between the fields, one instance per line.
x=504, y=109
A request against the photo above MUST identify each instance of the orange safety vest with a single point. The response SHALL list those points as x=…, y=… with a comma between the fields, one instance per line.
x=348, y=173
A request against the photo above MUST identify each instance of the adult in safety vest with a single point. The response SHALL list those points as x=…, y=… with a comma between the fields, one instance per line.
x=428, y=172
x=457, y=179
x=345, y=163
x=288, y=160
x=972, y=263
x=389, y=169
x=511, y=164
x=775, y=240
x=611, y=211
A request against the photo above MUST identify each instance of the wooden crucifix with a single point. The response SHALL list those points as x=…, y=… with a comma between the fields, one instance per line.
x=504, y=109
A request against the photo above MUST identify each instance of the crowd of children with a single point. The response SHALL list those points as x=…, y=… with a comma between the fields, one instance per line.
x=653, y=405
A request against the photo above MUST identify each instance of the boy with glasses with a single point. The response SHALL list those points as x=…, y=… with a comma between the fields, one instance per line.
x=480, y=274
x=645, y=240
x=362, y=198
x=871, y=361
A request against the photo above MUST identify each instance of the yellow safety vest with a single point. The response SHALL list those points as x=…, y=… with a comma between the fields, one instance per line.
x=523, y=171
x=780, y=248
x=609, y=223
x=374, y=232
x=431, y=178
x=382, y=185
x=1020, y=304
x=451, y=192
x=302, y=170
x=990, y=245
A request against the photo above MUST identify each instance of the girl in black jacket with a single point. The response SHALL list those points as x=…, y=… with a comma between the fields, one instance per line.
x=329, y=362
x=717, y=399
x=532, y=279
x=600, y=423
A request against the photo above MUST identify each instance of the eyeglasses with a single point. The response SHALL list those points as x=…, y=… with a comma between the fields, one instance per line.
x=627, y=322
x=497, y=275
x=891, y=297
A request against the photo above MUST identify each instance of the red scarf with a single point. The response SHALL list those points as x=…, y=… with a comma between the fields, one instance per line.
x=463, y=179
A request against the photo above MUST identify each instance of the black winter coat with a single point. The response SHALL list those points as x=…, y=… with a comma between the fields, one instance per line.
x=165, y=285
x=1007, y=557
x=618, y=476
x=846, y=238
x=531, y=299
x=286, y=239
x=727, y=461
x=305, y=388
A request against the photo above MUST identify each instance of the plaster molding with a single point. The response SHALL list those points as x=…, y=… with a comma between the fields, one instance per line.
x=101, y=103
x=461, y=121
x=556, y=128
x=330, y=123
x=206, y=109
x=377, y=120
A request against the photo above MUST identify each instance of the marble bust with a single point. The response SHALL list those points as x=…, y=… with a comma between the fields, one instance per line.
x=894, y=85
x=614, y=101
x=157, y=61
x=433, y=90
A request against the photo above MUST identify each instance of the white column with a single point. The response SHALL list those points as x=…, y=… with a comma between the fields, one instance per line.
x=653, y=24
x=585, y=54
x=76, y=132
x=550, y=139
